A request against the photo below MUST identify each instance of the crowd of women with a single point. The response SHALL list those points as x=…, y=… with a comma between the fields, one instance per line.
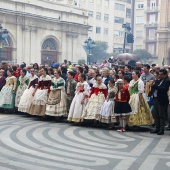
x=97, y=94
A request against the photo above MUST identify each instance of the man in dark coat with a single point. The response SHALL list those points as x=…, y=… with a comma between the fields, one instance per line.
x=161, y=87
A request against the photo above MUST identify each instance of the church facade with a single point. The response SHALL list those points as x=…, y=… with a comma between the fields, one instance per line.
x=43, y=31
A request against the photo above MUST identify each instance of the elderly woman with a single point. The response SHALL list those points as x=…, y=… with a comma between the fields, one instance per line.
x=105, y=76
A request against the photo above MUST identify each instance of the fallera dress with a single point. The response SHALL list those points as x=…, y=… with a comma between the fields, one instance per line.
x=38, y=105
x=22, y=86
x=76, y=108
x=141, y=114
x=107, y=111
x=96, y=99
x=59, y=109
x=7, y=99
x=27, y=97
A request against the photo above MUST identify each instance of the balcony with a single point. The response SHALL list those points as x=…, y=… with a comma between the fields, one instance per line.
x=149, y=39
x=151, y=24
x=152, y=9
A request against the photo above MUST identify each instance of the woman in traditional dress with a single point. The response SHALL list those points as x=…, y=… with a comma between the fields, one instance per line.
x=7, y=99
x=107, y=111
x=60, y=108
x=80, y=99
x=23, y=82
x=38, y=106
x=96, y=99
x=122, y=108
x=26, y=98
x=141, y=114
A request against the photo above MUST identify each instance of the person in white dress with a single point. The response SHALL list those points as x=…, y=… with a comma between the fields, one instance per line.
x=80, y=99
x=26, y=98
x=107, y=111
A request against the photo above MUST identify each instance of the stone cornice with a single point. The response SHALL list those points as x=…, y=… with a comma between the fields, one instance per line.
x=39, y=17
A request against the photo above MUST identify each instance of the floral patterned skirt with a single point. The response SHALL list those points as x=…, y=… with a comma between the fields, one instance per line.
x=93, y=107
x=7, y=99
x=26, y=99
x=19, y=93
x=142, y=114
x=107, y=112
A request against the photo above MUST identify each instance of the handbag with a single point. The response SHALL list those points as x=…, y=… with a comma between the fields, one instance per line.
x=54, y=97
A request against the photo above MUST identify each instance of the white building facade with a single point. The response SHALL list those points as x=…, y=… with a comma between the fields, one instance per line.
x=43, y=31
x=106, y=18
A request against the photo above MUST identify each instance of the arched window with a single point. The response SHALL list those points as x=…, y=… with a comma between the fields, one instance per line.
x=49, y=44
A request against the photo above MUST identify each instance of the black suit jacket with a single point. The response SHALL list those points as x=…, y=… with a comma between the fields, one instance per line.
x=162, y=90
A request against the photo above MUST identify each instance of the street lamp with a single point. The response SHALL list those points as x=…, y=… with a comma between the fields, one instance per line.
x=89, y=44
x=3, y=36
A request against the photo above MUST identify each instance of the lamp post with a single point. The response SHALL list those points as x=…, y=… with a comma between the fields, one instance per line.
x=89, y=44
x=3, y=36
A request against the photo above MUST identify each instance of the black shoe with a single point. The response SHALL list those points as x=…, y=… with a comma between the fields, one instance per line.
x=160, y=132
x=155, y=131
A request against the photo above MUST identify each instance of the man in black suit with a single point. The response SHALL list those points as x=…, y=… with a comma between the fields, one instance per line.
x=161, y=87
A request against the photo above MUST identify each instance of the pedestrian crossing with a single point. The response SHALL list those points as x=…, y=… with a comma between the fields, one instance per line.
x=27, y=143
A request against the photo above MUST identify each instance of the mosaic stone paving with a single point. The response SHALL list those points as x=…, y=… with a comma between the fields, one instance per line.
x=29, y=144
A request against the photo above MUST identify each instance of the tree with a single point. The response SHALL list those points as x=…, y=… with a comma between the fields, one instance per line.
x=81, y=61
x=99, y=52
x=142, y=55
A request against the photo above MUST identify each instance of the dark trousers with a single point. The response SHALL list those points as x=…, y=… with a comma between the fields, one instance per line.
x=159, y=112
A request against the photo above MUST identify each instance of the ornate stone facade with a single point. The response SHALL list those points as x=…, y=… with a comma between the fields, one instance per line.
x=32, y=22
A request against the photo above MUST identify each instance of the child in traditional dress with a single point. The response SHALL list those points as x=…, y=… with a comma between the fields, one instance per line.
x=107, y=111
x=122, y=107
x=70, y=88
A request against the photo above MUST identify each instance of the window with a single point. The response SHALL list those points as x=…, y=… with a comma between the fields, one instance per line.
x=90, y=14
x=139, y=34
x=106, y=3
x=119, y=20
x=128, y=13
x=129, y=1
x=140, y=6
x=106, y=31
x=153, y=4
x=49, y=44
x=98, y=30
x=98, y=15
x=151, y=48
x=90, y=29
x=139, y=20
x=118, y=34
x=152, y=34
x=106, y=17
x=119, y=7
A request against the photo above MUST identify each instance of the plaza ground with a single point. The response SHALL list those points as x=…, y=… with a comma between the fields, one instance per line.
x=26, y=143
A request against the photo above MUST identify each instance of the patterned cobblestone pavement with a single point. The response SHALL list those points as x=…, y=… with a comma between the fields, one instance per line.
x=29, y=144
